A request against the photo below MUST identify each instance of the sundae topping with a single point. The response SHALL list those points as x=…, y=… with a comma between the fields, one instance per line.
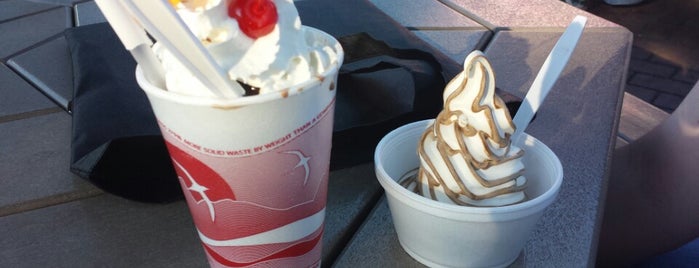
x=260, y=43
x=466, y=155
x=249, y=90
x=255, y=18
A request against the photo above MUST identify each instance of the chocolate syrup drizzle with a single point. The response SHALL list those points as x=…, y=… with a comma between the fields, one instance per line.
x=249, y=90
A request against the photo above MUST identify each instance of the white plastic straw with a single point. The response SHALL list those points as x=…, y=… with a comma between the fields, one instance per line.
x=548, y=75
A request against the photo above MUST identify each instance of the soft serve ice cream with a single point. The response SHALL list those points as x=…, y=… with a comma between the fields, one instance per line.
x=466, y=156
x=261, y=44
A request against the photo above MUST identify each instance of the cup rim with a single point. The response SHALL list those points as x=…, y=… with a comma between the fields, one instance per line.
x=433, y=206
x=333, y=69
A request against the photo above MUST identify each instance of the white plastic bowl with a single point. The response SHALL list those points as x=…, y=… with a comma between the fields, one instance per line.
x=446, y=235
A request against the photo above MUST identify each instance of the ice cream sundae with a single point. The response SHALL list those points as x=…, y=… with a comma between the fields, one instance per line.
x=472, y=162
x=260, y=43
x=253, y=169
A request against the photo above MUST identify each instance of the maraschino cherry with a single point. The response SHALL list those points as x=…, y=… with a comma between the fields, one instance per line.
x=256, y=18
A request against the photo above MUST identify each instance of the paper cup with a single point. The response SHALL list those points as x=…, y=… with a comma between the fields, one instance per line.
x=446, y=235
x=254, y=170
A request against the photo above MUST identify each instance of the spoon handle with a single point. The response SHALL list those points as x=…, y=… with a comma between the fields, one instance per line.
x=134, y=39
x=547, y=76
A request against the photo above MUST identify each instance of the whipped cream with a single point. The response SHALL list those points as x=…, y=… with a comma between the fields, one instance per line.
x=285, y=56
x=466, y=156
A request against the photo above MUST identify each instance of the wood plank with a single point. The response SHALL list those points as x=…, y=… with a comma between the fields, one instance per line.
x=638, y=117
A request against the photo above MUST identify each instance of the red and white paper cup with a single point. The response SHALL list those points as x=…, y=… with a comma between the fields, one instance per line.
x=254, y=170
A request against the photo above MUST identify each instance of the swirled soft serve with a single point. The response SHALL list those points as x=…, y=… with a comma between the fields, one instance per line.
x=466, y=156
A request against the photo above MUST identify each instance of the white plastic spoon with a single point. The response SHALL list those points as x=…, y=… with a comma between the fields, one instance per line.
x=547, y=76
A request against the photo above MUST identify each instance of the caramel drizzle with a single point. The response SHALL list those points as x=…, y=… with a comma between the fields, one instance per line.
x=447, y=117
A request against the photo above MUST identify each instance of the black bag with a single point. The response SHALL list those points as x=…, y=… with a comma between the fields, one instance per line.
x=116, y=143
x=379, y=89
